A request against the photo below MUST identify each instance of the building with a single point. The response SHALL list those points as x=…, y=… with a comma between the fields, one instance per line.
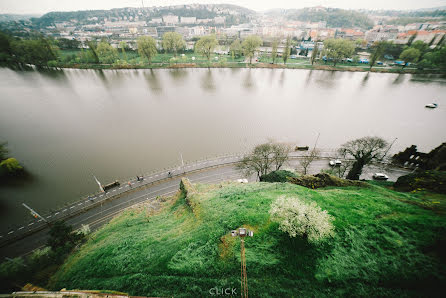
x=188, y=20
x=170, y=20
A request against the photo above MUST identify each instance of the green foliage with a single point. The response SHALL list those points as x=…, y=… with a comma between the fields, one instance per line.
x=277, y=176
x=147, y=47
x=434, y=181
x=274, y=45
x=384, y=245
x=410, y=55
x=33, y=51
x=297, y=218
x=205, y=46
x=236, y=49
x=250, y=45
x=335, y=18
x=62, y=238
x=173, y=42
x=106, y=53
x=434, y=59
x=3, y=151
x=338, y=49
x=11, y=166
x=286, y=50
x=378, y=50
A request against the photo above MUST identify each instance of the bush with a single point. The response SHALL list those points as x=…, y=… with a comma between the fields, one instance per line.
x=300, y=219
x=324, y=180
x=11, y=166
x=430, y=180
x=277, y=176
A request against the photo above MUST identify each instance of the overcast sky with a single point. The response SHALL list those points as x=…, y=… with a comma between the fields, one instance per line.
x=43, y=6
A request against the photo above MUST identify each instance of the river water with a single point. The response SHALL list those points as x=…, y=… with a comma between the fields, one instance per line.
x=65, y=126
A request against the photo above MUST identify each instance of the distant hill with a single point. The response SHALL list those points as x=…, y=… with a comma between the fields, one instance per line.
x=335, y=17
x=16, y=17
x=233, y=14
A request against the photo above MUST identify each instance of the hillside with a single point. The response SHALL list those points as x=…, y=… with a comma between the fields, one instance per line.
x=334, y=17
x=386, y=243
x=234, y=14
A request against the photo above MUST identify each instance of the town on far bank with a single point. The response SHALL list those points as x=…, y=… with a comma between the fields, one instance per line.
x=211, y=35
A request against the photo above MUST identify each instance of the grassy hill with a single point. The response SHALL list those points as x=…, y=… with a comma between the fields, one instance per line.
x=387, y=243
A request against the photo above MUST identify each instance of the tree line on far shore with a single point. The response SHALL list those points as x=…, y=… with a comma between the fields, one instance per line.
x=45, y=52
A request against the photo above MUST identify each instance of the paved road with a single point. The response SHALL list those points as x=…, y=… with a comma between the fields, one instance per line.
x=99, y=209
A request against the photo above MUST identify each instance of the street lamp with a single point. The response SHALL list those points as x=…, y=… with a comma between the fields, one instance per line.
x=242, y=233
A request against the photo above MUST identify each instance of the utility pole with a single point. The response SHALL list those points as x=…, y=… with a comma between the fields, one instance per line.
x=99, y=183
x=182, y=161
x=242, y=233
x=34, y=213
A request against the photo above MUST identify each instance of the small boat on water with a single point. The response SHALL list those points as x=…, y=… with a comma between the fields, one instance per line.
x=431, y=106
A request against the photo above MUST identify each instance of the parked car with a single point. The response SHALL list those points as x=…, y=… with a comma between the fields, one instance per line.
x=335, y=163
x=380, y=176
x=242, y=180
x=349, y=60
x=365, y=61
x=379, y=63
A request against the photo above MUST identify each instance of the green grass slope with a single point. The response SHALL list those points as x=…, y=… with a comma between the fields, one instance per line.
x=386, y=244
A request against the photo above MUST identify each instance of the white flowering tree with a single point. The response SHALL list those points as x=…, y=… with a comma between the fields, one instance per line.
x=298, y=218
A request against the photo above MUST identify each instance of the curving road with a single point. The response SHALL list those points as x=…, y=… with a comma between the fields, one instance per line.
x=97, y=210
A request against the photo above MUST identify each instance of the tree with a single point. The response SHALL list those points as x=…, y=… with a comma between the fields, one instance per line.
x=92, y=45
x=378, y=50
x=205, y=46
x=364, y=151
x=236, y=49
x=106, y=53
x=147, y=47
x=435, y=59
x=410, y=55
x=62, y=237
x=3, y=151
x=274, y=50
x=11, y=165
x=250, y=46
x=298, y=218
x=264, y=158
x=286, y=50
x=173, y=42
x=315, y=53
x=123, y=45
x=411, y=39
x=307, y=159
x=338, y=49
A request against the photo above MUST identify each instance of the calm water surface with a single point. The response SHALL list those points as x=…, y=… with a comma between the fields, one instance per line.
x=65, y=126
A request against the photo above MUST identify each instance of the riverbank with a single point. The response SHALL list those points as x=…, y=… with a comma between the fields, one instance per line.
x=185, y=248
x=257, y=65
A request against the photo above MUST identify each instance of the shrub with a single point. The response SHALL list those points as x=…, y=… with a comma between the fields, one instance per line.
x=11, y=166
x=277, y=176
x=301, y=219
x=431, y=180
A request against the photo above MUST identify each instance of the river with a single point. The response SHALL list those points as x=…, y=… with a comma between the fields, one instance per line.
x=66, y=126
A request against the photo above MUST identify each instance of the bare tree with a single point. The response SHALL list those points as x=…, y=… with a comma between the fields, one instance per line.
x=307, y=159
x=364, y=151
x=264, y=158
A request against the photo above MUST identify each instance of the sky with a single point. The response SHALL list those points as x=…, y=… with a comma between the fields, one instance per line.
x=44, y=6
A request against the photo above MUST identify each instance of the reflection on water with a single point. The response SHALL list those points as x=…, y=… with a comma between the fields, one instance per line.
x=399, y=79
x=365, y=79
x=179, y=74
x=65, y=125
x=207, y=81
x=153, y=81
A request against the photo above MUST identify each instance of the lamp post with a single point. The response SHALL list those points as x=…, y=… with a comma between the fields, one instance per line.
x=242, y=233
